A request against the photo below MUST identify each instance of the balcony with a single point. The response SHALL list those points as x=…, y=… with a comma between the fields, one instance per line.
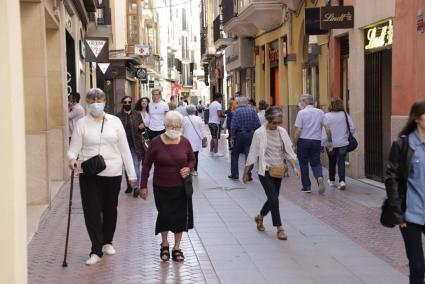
x=241, y=28
x=220, y=40
x=265, y=15
x=240, y=55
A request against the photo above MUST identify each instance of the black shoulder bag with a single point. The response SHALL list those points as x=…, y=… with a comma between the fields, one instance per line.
x=352, y=141
x=187, y=181
x=95, y=164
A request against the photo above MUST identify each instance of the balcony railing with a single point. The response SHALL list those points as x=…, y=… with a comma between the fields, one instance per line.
x=217, y=29
x=228, y=11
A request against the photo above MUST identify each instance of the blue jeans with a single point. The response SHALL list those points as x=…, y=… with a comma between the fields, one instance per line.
x=337, y=156
x=308, y=151
x=271, y=187
x=242, y=144
x=137, y=167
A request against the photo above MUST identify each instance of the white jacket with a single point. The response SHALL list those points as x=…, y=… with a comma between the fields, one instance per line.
x=257, y=151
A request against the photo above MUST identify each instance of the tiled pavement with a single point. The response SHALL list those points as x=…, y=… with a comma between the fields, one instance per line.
x=334, y=238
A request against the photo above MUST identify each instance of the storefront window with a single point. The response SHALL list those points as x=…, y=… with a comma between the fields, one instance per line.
x=132, y=7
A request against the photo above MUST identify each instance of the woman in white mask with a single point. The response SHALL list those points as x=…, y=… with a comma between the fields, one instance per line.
x=99, y=133
x=172, y=155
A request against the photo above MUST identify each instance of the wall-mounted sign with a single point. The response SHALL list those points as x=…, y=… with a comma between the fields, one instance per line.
x=97, y=49
x=273, y=55
x=142, y=75
x=420, y=21
x=336, y=17
x=142, y=49
x=151, y=84
x=379, y=36
x=312, y=22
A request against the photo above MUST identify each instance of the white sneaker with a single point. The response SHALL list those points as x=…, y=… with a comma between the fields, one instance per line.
x=194, y=173
x=331, y=183
x=108, y=249
x=94, y=258
x=218, y=155
x=341, y=185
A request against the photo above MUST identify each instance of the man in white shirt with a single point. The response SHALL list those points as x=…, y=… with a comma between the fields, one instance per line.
x=76, y=112
x=182, y=108
x=216, y=113
x=308, y=133
x=157, y=110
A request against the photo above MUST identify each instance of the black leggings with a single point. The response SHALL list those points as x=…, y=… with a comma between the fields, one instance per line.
x=99, y=196
x=271, y=187
x=196, y=160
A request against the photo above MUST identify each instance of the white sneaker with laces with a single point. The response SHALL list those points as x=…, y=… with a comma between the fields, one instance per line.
x=331, y=183
x=341, y=185
x=108, y=249
x=94, y=258
x=218, y=155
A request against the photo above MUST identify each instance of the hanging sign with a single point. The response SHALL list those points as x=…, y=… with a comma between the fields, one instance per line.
x=142, y=75
x=420, y=21
x=105, y=70
x=103, y=67
x=336, y=17
x=142, y=49
x=151, y=84
x=379, y=36
x=312, y=22
x=97, y=49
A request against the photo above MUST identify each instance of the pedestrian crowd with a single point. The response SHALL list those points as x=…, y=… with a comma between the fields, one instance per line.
x=169, y=137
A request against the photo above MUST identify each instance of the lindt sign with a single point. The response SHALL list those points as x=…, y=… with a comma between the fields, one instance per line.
x=336, y=17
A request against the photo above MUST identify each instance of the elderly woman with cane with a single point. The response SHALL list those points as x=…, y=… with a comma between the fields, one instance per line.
x=173, y=158
x=270, y=146
x=100, y=143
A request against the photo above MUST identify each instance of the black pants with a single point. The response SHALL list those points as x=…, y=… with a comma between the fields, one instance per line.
x=99, y=196
x=196, y=160
x=412, y=236
x=271, y=187
x=337, y=156
x=152, y=134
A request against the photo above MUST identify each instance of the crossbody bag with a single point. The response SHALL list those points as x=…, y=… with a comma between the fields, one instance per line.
x=277, y=171
x=95, y=164
x=204, y=140
x=352, y=141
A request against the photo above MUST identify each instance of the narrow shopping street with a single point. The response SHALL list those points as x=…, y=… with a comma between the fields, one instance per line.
x=335, y=238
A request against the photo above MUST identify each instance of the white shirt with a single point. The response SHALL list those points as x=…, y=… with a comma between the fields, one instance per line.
x=262, y=116
x=146, y=118
x=182, y=110
x=338, y=125
x=74, y=115
x=157, y=114
x=310, y=121
x=214, y=108
x=274, y=149
x=113, y=144
x=257, y=152
x=194, y=133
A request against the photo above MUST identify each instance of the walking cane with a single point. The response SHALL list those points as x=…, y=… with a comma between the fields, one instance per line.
x=64, y=264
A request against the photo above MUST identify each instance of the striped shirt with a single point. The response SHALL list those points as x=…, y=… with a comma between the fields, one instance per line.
x=274, y=149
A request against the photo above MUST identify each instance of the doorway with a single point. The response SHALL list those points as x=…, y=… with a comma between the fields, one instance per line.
x=274, y=87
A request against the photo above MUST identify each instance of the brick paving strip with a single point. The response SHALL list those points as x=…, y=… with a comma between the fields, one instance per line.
x=137, y=259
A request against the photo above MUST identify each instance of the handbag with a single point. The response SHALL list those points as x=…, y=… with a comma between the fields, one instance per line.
x=352, y=141
x=145, y=140
x=204, y=140
x=187, y=181
x=276, y=171
x=386, y=215
x=95, y=164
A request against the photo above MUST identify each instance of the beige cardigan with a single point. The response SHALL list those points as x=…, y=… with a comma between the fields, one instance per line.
x=258, y=148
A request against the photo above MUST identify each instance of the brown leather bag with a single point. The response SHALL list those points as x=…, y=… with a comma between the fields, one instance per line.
x=277, y=172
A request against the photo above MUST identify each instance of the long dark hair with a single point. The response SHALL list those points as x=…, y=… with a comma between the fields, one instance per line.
x=138, y=105
x=418, y=109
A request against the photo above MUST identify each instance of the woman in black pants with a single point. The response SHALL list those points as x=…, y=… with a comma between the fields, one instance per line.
x=405, y=188
x=270, y=146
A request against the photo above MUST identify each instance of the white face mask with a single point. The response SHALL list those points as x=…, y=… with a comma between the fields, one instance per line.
x=173, y=134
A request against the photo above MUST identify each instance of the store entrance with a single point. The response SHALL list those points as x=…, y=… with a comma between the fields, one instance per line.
x=274, y=87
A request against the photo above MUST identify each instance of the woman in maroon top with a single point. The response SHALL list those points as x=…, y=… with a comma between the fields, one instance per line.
x=174, y=160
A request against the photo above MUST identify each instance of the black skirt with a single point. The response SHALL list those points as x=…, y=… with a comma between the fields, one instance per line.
x=175, y=212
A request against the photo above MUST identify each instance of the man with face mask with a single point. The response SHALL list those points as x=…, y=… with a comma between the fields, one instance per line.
x=133, y=125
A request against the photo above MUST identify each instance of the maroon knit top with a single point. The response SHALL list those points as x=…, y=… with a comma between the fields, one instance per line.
x=166, y=172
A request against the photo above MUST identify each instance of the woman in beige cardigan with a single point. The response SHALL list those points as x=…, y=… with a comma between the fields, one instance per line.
x=270, y=146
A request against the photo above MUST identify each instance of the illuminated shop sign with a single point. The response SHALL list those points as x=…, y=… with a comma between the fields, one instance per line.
x=336, y=17
x=379, y=36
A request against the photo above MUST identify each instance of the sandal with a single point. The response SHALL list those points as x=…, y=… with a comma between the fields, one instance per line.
x=259, y=220
x=178, y=255
x=164, y=253
x=281, y=234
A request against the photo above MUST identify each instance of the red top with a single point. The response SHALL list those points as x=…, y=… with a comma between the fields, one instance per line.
x=166, y=172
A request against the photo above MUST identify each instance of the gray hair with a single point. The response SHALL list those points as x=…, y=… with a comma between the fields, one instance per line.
x=172, y=115
x=308, y=99
x=273, y=112
x=242, y=101
x=95, y=93
x=191, y=109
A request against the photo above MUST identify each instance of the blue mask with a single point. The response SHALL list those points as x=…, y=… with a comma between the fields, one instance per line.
x=96, y=109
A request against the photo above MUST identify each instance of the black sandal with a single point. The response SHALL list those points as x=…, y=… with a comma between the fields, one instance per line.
x=178, y=255
x=164, y=253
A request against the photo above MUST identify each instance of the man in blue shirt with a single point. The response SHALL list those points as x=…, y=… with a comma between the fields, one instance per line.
x=244, y=122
